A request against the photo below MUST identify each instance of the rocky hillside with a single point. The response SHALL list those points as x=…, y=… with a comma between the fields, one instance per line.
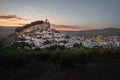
x=8, y=34
x=38, y=34
x=34, y=24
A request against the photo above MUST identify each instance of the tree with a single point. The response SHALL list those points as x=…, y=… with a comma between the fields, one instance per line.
x=67, y=37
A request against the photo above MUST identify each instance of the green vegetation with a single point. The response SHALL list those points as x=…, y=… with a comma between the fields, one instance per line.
x=28, y=25
x=57, y=55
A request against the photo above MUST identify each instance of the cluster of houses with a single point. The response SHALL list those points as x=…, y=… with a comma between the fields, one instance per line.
x=42, y=36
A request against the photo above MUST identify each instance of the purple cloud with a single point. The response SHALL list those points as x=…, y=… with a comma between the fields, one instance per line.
x=10, y=17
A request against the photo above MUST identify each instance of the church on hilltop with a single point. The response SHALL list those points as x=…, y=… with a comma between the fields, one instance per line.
x=98, y=38
x=46, y=21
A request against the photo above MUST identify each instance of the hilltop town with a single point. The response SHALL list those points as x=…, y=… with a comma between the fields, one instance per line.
x=39, y=34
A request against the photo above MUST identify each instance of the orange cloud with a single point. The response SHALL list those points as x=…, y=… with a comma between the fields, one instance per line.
x=5, y=23
x=12, y=20
x=74, y=28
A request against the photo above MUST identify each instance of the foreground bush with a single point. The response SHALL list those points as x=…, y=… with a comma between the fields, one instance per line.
x=59, y=56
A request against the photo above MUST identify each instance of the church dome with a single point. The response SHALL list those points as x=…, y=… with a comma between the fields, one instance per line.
x=100, y=38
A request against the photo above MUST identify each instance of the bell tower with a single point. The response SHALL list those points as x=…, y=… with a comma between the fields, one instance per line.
x=94, y=37
x=46, y=21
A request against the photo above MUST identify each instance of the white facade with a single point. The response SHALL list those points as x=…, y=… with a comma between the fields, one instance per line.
x=39, y=36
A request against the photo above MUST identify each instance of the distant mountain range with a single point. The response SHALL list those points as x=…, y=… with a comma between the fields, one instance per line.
x=5, y=31
x=89, y=33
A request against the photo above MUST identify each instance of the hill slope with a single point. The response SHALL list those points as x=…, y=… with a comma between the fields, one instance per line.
x=5, y=31
x=89, y=33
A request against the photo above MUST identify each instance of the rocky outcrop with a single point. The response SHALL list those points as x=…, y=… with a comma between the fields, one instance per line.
x=32, y=25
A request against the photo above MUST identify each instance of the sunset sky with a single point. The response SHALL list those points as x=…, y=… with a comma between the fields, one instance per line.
x=68, y=14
